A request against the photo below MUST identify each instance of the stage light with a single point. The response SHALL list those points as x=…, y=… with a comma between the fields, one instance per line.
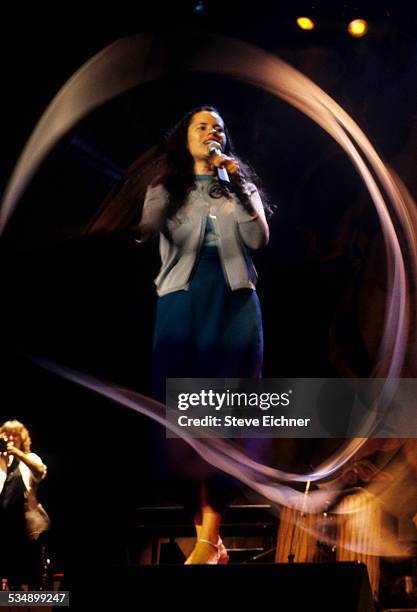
x=305, y=23
x=358, y=28
x=199, y=7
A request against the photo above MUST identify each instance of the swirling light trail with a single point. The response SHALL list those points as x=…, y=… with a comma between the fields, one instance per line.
x=135, y=60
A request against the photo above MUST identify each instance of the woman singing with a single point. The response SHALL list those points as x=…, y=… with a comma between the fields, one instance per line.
x=208, y=318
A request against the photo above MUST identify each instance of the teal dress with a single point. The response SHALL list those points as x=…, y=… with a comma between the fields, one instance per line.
x=207, y=331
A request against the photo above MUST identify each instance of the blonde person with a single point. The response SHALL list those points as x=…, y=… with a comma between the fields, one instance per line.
x=22, y=518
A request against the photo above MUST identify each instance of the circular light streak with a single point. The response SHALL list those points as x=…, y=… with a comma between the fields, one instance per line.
x=136, y=60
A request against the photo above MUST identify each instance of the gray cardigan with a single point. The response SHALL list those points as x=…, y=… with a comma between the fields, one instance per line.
x=181, y=237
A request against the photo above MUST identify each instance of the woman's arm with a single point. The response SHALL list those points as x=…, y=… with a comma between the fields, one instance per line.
x=153, y=213
x=253, y=226
x=33, y=462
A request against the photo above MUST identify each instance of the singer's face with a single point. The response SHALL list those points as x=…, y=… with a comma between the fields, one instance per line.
x=204, y=127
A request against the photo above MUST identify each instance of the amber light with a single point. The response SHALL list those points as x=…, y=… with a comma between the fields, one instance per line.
x=305, y=23
x=358, y=28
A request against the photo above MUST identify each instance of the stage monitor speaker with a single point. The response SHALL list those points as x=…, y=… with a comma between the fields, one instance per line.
x=295, y=587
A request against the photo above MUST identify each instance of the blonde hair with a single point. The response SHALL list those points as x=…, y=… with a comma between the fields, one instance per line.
x=18, y=427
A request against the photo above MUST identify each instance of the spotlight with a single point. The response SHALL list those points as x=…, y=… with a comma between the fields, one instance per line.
x=305, y=23
x=358, y=28
x=199, y=7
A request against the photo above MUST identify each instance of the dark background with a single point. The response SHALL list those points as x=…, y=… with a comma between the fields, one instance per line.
x=89, y=302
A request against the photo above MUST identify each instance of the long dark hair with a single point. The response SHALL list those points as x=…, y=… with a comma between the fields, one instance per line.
x=171, y=165
x=176, y=169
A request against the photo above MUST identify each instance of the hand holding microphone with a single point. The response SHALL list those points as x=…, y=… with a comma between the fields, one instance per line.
x=225, y=165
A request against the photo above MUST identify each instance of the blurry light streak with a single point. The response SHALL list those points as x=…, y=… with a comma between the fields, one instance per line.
x=138, y=59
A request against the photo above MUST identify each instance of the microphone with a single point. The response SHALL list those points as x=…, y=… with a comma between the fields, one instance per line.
x=215, y=149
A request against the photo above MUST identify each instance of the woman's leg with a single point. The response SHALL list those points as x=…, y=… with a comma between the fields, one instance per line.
x=209, y=548
x=229, y=343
